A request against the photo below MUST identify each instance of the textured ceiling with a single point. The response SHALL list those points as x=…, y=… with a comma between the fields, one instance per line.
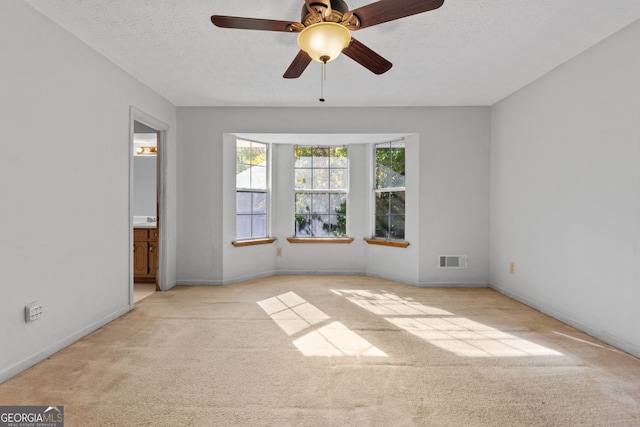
x=468, y=52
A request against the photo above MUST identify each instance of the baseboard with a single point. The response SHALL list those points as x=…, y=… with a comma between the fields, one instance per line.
x=225, y=282
x=606, y=337
x=453, y=285
x=41, y=355
x=230, y=281
x=248, y=277
x=169, y=286
x=199, y=283
x=391, y=278
x=319, y=273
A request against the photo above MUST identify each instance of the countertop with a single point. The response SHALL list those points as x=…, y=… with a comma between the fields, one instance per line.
x=144, y=225
x=144, y=222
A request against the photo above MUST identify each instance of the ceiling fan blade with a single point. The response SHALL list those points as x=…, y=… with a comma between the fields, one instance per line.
x=366, y=57
x=389, y=10
x=297, y=67
x=256, y=24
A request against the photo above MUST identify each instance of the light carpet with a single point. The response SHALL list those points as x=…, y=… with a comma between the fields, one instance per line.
x=334, y=351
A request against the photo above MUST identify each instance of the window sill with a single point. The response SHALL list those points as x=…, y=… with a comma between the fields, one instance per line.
x=320, y=239
x=383, y=242
x=253, y=242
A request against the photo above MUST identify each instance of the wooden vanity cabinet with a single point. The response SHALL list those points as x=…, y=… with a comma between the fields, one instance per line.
x=145, y=254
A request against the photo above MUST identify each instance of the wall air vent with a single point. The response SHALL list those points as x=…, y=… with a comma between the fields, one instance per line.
x=452, y=261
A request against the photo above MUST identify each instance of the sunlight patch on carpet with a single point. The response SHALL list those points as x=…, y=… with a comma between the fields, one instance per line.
x=294, y=315
x=336, y=339
x=387, y=303
x=443, y=329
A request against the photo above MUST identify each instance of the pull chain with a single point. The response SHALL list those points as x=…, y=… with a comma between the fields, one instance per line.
x=323, y=77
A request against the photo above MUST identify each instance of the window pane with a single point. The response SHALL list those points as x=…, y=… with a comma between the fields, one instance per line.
x=383, y=177
x=243, y=176
x=383, y=155
x=241, y=167
x=338, y=179
x=258, y=153
x=303, y=225
x=259, y=203
x=321, y=227
x=320, y=157
x=396, y=229
x=382, y=204
x=338, y=157
x=243, y=202
x=389, y=216
x=339, y=206
x=321, y=179
x=390, y=163
x=243, y=152
x=320, y=203
x=303, y=157
x=397, y=155
x=259, y=228
x=258, y=177
x=333, y=226
x=243, y=226
x=303, y=179
x=338, y=203
x=321, y=215
x=339, y=225
x=387, y=177
x=396, y=203
x=382, y=226
x=396, y=177
x=303, y=203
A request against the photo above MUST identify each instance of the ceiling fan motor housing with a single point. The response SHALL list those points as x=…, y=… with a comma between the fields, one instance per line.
x=337, y=9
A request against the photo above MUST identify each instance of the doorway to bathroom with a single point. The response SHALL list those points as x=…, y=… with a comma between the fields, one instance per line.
x=147, y=137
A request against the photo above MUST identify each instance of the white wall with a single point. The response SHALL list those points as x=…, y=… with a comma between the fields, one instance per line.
x=144, y=185
x=64, y=185
x=453, y=200
x=565, y=192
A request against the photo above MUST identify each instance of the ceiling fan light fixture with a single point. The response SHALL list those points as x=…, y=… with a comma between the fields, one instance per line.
x=324, y=41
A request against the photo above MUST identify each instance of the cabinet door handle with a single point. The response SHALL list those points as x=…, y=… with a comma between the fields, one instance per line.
x=150, y=248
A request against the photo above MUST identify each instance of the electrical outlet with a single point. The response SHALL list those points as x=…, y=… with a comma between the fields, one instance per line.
x=512, y=267
x=278, y=251
x=32, y=311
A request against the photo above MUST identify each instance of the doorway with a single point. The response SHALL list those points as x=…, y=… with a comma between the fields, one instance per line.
x=146, y=205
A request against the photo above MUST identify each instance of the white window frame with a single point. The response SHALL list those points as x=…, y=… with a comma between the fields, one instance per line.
x=250, y=189
x=312, y=191
x=376, y=191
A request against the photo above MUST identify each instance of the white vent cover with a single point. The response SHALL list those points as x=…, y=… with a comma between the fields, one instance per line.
x=452, y=261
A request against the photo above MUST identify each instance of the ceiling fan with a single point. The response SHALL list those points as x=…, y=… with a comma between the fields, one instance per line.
x=325, y=30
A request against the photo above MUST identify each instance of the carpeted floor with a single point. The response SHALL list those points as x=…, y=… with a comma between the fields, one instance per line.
x=334, y=351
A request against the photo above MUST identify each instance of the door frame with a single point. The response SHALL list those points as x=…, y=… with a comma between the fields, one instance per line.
x=137, y=115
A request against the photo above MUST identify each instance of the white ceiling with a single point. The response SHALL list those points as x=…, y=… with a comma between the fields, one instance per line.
x=468, y=52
